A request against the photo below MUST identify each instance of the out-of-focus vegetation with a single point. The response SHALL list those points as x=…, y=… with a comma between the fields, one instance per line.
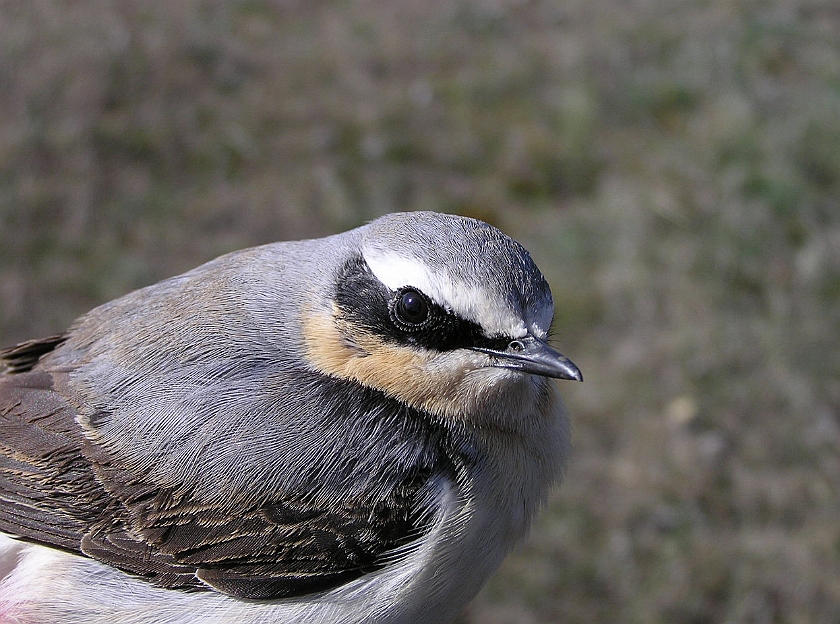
x=674, y=166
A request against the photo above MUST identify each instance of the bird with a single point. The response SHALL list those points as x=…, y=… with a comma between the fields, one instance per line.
x=352, y=429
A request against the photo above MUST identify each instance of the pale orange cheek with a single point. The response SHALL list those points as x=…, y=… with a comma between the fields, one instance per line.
x=404, y=373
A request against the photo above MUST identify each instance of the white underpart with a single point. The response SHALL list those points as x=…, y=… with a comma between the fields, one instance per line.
x=468, y=301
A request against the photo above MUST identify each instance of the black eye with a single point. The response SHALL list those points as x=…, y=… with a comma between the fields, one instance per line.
x=411, y=307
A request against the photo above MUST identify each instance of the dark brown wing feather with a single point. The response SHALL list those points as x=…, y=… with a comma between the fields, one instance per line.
x=52, y=492
x=46, y=488
x=22, y=357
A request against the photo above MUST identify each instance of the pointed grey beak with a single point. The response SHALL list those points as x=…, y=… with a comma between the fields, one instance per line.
x=532, y=355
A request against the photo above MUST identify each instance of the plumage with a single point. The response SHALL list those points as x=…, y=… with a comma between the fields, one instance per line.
x=333, y=430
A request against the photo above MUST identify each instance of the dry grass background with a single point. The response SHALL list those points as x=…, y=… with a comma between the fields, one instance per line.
x=674, y=165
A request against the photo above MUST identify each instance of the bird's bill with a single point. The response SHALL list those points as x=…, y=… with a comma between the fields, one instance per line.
x=532, y=355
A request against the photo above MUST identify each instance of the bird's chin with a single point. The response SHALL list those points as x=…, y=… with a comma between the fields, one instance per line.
x=490, y=393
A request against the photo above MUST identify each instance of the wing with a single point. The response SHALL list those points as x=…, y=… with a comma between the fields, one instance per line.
x=60, y=488
x=46, y=489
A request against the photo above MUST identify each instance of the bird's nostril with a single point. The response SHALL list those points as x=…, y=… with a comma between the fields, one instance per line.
x=516, y=345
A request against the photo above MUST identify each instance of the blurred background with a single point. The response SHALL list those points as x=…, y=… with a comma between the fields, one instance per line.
x=673, y=165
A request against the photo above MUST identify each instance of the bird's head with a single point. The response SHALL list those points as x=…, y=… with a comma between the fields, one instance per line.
x=444, y=313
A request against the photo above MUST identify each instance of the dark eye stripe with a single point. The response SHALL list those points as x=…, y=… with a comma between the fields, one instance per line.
x=370, y=305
